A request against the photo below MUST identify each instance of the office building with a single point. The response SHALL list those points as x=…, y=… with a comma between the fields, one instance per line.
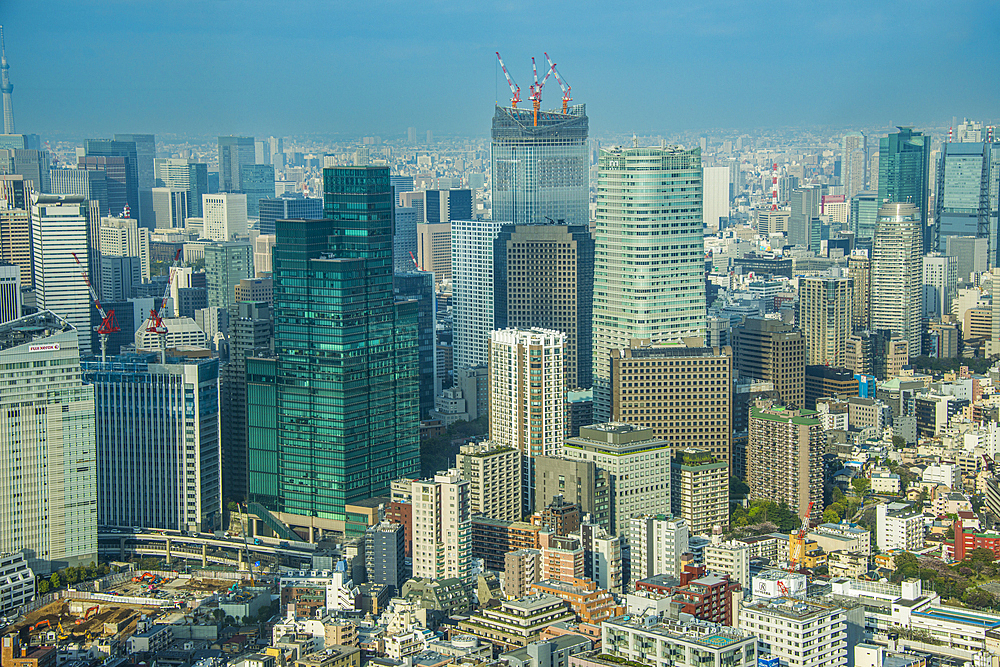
x=48, y=501
x=940, y=285
x=400, y=184
x=385, y=557
x=903, y=169
x=772, y=351
x=263, y=246
x=157, y=467
x=434, y=250
x=897, y=268
x=250, y=335
x=59, y=228
x=657, y=544
x=637, y=463
x=119, y=160
x=32, y=164
x=877, y=353
x=182, y=174
x=579, y=482
x=804, y=225
x=826, y=311
x=649, y=258
x=528, y=390
x=785, y=457
x=15, y=191
x=362, y=433
x=234, y=153
x=442, y=527
x=854, y=158
x=781, y=623
x=472, y=264
x=447, y=206
x=859, y=269
x=10, y=292
x=404, y=241
x=226, y=264
x=545, y=278
x=119, y=275
x=716, y=189
x=123, y=237
x=829, y=382
x=170, y=207
x=15, y=240
x=680, y=391
x=863, y=216
x=688, y=643
x=288, y=205
x=255, y=290
x=256, y=182
x=494, y=475
x=968, y=194
x=145, y=153
x=419, y=286
x=225, y=216
x=91, y=183
x=970, y=254
x=17, y=583
x=539, y=166
x=699, y=490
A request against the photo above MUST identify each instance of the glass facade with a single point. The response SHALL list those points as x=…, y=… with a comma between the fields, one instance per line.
x=345, y=392
x=864, y=212
x=904, y=160
x=968, y=193
x=540, y=171
x=649, y=254
x=257, y=183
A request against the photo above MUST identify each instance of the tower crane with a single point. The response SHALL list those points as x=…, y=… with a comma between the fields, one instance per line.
x=797, y=546
x=536, y=88
x=156, y=324
x=108, y=323
x=566, y=88
x=515, y=90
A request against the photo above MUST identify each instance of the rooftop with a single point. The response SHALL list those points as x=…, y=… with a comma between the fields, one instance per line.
x=29, y=328
x=792, y=608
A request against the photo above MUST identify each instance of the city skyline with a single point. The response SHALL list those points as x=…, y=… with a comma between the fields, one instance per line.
x=236, y=80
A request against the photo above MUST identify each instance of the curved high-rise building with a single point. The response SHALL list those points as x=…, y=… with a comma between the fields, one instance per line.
x=540, y=171
x=897, y=273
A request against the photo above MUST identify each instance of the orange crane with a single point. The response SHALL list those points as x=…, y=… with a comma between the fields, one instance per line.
x=536, y=88
x=156, y=324
x=515, y=90
x=108, y=324
x=797, y=544
x=566, y=88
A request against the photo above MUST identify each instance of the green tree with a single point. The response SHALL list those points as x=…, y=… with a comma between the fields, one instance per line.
x=861, y=486
x=43, y=586
x=72, y=575
x=55, y=581
x=830, y=515
x=978, y=598
x=898, y=441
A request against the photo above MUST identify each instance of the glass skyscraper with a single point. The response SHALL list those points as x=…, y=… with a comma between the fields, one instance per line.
x=904, y=160
x=345, y=395
x=968, y=193
x=649, y=256
x=257, y=182
x=540, y=171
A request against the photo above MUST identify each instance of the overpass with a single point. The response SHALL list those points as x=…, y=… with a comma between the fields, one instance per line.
x=206, y=548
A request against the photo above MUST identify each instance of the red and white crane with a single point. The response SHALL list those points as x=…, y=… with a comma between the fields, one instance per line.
x=108, y=323
x=566, y=88
x=536, y=88
x=774, y=187
x=156, y=324
x=515, y=90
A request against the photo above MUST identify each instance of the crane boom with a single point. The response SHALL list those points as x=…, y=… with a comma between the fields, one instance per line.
x=566, y=88
x=108, y=323
x=536, y=89
x=156, y=324
x=515, y=90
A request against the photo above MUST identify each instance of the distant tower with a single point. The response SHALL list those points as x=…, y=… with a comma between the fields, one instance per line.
x=6, y=88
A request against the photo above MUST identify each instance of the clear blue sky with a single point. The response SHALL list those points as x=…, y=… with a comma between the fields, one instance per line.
x=89, y=67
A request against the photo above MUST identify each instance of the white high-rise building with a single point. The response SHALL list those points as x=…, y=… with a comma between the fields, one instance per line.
x=472, y=289
x=716, y=193
x=442, y=527
x=123, y=237
x=852, y=163
x=225, y=215
x=170, y=207
x=58, y=230
x=799, y=633
x=826, y=310
x=656, y=544
x=528, y=390
x=897, y=273
x=940, y=284
x=48, y=492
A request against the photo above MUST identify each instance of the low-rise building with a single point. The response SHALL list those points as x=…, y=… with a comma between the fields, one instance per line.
x=847, y=564
x=154, y=638
x=17, y=582
x=842, y=536
x=589, y=603
x=884, y=481
x=517, y=623
x=671, y=643
x=13, y=654
x=899, y=526
x=554, y=652
x=332, y=656
x=730, y=558
x=799, y=633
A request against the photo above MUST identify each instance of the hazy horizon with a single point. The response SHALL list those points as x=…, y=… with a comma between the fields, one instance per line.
x=303, y=67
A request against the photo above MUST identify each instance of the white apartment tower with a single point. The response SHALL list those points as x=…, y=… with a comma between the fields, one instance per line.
x=225, y=215
x=826, y=310
x=528, y=390
x=442, y=527
x=656, y=544
x=472, y=289
x=897, y=268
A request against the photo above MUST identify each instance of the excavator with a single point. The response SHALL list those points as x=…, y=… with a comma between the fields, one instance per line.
x=38, y=626
x=87, y=614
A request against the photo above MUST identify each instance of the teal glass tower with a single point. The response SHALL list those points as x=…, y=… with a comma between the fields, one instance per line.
x=345, y=375
x=904, y=161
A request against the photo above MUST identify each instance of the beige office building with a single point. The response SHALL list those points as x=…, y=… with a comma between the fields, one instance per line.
x=826, y=311
x=494, y=475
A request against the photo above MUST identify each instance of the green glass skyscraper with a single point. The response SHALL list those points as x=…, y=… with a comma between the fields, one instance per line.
x=904, y=160
x=346, y=365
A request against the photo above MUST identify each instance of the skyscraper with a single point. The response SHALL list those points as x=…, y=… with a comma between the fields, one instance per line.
x=59, y=229
x=225, y=216
x=6, y=87
x=904, y=160
x=785, y=457
x=716, y=196
x=181, y=174
x=419, y=286
x=170, y=208
x=234, y=152
x=91, y=183
x=442, y=527
x=540, y=171
x=853, y=148
x=145, y=153
x=346, y=425
x=775, y=352
x=939, y=284
x=225, y=265
x=864, y=211
x=859, y=269
x=826, y=311
x=123, y=237
x=649, y=258
x=157, y=466
x=15, y=238
x=968, y=194
x=256, y=182
x=472, y=270
x=288, y=205
x=545, y=278
x=120, y=160
x=48, y=499
x=897, y=269
x=32, y=163
x=804, y=225
x=404, y=241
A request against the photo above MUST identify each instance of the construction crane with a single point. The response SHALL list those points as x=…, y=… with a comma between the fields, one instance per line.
x=515, y=90
x=566, y=88
x=536, y=88
x=156, y=324
x=416, y=264
x=797, y=543
x=108, y=324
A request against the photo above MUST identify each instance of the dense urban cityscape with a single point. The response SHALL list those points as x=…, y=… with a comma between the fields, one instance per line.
x=553, y=396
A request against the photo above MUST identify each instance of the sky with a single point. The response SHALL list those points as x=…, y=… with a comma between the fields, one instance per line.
x=297, y=67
